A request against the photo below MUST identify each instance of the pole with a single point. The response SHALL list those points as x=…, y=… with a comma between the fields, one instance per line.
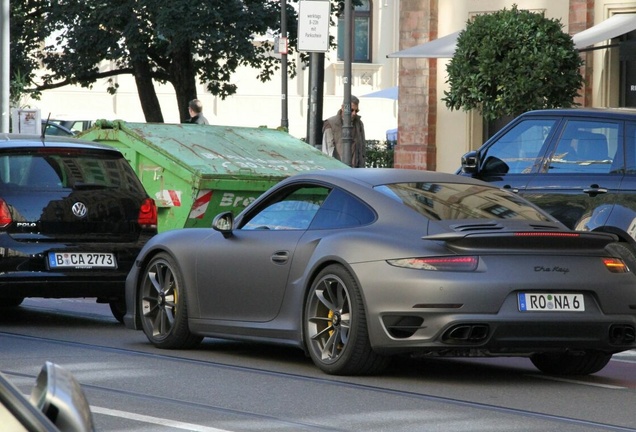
x=284, y=121
x=4, y=69
x=316, y=90
x=346, y=119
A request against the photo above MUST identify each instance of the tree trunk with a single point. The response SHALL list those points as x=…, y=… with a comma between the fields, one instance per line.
x=182, y=77
x=147, y=93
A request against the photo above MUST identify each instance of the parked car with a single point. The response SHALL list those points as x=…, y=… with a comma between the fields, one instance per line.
x=57, y=403
x=73, y=217
x=354, y=266
x=577, y=164
x=51, y=128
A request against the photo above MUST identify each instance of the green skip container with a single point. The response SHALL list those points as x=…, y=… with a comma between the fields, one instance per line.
x=195, y=172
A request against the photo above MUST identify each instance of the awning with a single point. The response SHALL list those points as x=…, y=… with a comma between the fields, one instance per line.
x=387, y=93
x=615, y=26
x=444, y=47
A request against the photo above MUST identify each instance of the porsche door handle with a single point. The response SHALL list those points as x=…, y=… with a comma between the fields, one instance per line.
x=280, y=257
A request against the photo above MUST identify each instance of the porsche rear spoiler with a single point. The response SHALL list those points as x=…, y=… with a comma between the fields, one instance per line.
x=511, y=240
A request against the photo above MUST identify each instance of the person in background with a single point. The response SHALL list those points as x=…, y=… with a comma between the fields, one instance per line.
x=196, y=112
x=332, y=136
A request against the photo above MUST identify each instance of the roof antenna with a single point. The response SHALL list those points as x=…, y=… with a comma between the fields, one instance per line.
x=46, y=125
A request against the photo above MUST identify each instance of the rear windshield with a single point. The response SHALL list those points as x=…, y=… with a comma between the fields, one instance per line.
x=450, y=201
x=67, y=169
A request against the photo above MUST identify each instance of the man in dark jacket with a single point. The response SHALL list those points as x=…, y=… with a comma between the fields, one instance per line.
x=196, y=112
x=332, y=136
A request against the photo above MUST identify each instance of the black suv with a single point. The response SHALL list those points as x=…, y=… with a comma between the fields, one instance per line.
x=73, y=217
x=578, y=164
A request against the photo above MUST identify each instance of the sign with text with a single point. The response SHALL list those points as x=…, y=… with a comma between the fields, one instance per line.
x=313, y=25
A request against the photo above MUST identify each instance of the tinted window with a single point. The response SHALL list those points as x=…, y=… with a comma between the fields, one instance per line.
x=630, y=148
x=450, y=201
x=342, y=210
x=587, y=146
x=518, y=150
x=55, y=169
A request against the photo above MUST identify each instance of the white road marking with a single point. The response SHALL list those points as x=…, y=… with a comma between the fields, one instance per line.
x=155, y=420
x=571, y=381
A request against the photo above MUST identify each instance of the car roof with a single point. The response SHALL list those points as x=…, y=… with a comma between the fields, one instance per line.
x=380, y=176
x=10, y=140
x=617, y=113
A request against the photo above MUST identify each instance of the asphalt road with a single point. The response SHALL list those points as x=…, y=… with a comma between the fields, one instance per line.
x=235, y=386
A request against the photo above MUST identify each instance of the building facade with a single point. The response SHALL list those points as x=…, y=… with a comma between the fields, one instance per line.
x=430, y=135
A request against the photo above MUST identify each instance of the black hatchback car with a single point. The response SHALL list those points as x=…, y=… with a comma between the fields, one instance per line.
x=73, y=216
x=578, y=164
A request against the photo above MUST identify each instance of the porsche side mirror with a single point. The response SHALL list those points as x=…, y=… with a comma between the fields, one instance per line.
x=224, y=223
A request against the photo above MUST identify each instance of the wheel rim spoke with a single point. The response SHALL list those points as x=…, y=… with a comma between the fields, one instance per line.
x=329, y=318
x=159, y=299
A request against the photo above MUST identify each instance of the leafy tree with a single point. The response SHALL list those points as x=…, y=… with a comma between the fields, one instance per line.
x=27, y=31
x=173, y=41
x=512, y=61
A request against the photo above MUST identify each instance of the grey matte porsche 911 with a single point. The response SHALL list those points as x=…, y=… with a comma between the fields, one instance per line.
x=356, y=265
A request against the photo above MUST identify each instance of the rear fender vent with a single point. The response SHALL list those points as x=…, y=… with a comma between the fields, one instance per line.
x=402, y=327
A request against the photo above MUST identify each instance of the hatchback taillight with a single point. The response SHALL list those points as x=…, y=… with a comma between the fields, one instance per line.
x=5, y=214
x=148, y=214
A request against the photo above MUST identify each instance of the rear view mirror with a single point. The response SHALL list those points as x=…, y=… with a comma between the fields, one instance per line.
x=470, y=162
x=59, y=396
x=224, y=223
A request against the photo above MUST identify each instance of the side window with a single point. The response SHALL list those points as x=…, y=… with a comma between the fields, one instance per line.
x=518, y=151
x=293, y=210
x=341, y=210
x=587, y=147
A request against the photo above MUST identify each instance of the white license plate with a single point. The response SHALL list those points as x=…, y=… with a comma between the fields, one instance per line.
x=552, y=302
x=85, y=260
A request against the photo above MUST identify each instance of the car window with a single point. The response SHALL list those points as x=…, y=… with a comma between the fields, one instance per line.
x=292, y=210
x=586, y=146
x=342, y=210
x=518, y=151
x=452, y=201
x=52, y=169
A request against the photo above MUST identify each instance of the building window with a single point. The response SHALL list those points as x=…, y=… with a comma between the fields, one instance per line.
x=361, y=38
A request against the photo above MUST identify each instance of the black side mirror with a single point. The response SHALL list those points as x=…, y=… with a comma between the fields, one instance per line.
x=470, y=162
x=224, y=223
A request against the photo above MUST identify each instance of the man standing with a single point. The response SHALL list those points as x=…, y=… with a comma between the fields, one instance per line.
x=332, y=136
x=195, y=107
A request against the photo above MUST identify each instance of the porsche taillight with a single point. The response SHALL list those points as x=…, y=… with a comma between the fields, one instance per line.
x=5, y=214
x=615, y=265
x=449, y=263
x=148, y=214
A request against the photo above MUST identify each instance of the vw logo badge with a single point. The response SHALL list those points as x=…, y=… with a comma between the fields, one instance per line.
x=79, y=209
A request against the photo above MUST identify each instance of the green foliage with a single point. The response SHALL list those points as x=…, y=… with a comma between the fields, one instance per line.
x=512, y=61
x=379, y=154
x=27, y=29
x=157, y=41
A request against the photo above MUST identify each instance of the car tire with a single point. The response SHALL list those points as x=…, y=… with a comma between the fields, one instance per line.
x=118, y=309
x=163, y=305
x=335, y=326
x=571, y=364
x=11, y=302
